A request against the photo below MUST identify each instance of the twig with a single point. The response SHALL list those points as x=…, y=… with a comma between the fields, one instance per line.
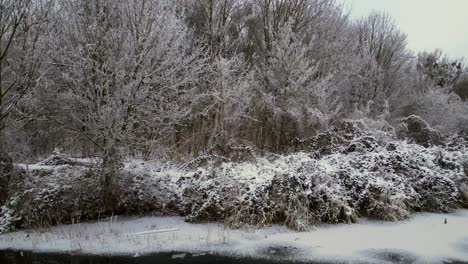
x=153, y=232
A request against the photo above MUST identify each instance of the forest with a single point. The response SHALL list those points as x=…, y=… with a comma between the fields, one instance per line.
x=93, y=89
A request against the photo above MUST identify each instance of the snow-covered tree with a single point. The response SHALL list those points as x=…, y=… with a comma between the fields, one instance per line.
x=176, y=78
x=124, y=74
x=219, y=107
x=216, y=23
x=382, y=50
x=21, y=69
x=289, y=98
x=436, y=69
x=461, y=88
x=21, y=48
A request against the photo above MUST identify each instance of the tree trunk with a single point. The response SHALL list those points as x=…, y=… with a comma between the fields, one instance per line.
x=111, y=167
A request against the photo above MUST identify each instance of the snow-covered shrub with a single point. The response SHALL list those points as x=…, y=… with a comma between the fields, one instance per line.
x=361, y=132
x=417, y=130
x=9, y=216
x=297, y=200
x=437, y=194
x=381, y=205
x=457, y=143
x=465, y=167
x=219, y=154
x=60, y=194
x=383, y=179
x=324, y=143
x=363, y=144
x=203, y=160
x=6, y=172
x=210, y=197
x=351, y=129
x=345, y=174
x=444, y=111
x=139, y=193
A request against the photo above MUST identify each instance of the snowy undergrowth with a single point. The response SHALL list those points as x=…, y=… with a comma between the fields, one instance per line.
x=337, y=178
x=381, y=182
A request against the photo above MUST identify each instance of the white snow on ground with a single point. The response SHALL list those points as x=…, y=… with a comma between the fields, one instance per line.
x=31, y=167
x=424, y=237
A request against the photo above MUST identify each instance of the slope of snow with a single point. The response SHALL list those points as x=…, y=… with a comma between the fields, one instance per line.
x=425, y=239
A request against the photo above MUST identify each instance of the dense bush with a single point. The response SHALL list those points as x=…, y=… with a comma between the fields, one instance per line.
x=59, y=193
x=6, y=172
x=362, y=174
x=418, y=131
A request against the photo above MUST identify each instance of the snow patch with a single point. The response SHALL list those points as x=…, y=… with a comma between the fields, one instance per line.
x=425, y=238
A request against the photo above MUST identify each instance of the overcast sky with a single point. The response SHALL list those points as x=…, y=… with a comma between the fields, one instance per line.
x=430, y=24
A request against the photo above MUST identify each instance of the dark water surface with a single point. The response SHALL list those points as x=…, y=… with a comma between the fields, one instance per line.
x=18, y=257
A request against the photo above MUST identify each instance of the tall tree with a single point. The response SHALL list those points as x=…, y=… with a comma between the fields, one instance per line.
x=124, y=73
x=21, y=49
x=21, y=33
x=383, y=45
x=435, y=69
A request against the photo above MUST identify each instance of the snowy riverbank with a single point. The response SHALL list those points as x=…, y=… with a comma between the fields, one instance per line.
x=424, y=239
